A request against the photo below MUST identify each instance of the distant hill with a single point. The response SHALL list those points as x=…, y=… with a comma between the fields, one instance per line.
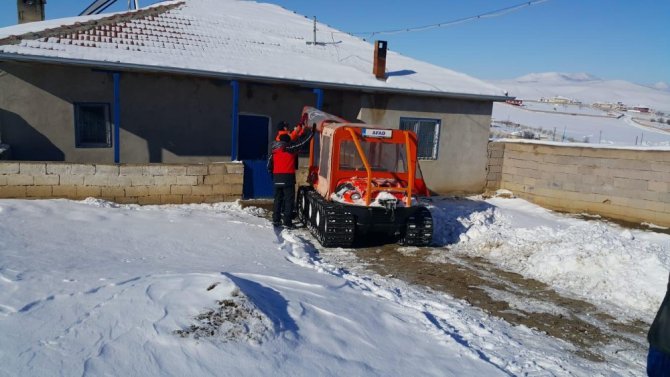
x=661, y=86
x=586, y=88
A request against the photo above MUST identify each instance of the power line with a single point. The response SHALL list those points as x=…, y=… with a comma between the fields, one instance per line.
x=490, y=14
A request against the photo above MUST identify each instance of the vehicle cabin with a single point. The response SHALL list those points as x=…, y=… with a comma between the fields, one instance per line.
x=377, y=157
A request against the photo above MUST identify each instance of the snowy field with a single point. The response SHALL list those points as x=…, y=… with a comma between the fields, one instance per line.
x=579, y=125
x=585, y=88
x=93, y=288
x=594, y=130
x=563, y=108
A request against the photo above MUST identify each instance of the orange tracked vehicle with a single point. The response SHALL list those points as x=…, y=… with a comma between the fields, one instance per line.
x=363, y=180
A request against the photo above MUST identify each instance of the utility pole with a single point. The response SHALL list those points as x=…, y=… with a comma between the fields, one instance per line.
x=563, y=138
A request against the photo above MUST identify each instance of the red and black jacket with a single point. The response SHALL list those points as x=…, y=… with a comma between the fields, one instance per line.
x=284, y=157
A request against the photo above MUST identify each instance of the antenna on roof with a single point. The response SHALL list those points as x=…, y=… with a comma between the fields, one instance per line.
x=136, y=3
x=315, y=42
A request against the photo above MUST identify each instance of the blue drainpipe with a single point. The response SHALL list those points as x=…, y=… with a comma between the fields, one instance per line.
x=319, y=98
x=117, y=116
x=235, y=112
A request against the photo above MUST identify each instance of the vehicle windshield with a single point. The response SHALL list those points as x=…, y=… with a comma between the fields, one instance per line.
x=381, y=156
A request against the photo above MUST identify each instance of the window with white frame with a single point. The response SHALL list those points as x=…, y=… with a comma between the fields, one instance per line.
x=427, y=134
x=92, y=125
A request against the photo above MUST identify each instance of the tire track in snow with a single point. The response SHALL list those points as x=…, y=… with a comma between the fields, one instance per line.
x=452, y=325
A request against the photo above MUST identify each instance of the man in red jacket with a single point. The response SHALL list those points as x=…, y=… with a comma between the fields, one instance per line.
x=282, y=164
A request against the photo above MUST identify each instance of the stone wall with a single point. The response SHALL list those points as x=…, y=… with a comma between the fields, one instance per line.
x=496, y=152
x=126, y=183
x=625, y=184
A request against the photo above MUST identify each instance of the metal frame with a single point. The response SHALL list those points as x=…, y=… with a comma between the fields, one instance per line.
x=236, y=121
x=270, y=136
x=77, y=125
x=436, y=140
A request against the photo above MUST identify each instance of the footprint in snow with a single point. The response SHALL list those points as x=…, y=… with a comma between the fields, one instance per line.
x=6, y=311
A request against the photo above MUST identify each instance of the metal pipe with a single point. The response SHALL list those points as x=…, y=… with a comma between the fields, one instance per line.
x=319, y=98
x=236, y=121
x=311, y=152
x=410, y=170
x=261, y=79
x=368, y=190
x=117, y=116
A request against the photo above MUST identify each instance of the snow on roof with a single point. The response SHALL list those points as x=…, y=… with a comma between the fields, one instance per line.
x=236, y=39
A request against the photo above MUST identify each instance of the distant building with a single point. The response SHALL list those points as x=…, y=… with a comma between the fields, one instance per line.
x=561, y=100
x=640, y=109
x=514, y=102
x=609, y=106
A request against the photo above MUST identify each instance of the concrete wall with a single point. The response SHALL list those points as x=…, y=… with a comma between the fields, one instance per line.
x=163, y=118
x=136, y=183
x=626, y=184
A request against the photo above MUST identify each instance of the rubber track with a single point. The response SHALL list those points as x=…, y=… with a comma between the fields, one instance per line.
x=336, y=227
x=419, y=229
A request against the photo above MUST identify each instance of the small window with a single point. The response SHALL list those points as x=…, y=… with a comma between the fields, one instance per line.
x=324, y=167
x=427, y=133
x=92, y=125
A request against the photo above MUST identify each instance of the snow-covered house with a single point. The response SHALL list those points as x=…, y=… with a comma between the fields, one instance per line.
x=207, y=80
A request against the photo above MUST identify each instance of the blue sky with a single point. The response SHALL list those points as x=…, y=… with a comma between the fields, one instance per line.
x=611, y=39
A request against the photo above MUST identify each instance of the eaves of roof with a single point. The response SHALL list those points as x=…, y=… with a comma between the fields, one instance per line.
x=120, y=66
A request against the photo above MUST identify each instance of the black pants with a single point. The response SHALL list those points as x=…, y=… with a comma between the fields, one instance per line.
x=283, y=204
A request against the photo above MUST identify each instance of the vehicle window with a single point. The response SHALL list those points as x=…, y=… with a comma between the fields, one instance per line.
x=381, y=156
x=324, y=157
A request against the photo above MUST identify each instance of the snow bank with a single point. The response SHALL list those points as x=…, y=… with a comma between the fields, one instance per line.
x=624, y=271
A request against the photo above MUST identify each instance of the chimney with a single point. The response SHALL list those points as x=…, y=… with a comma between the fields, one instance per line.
x=30, y=10
x=379, y=66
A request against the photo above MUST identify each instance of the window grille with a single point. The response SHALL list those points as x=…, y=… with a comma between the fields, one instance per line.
x=92, y=125
x=427, y=134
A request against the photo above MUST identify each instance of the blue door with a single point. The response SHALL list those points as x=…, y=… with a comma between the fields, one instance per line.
x=254, y=132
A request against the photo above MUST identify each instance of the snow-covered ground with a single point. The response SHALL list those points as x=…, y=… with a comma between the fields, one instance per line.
x=94, y=288
x=618, y=269
x=563, y=108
